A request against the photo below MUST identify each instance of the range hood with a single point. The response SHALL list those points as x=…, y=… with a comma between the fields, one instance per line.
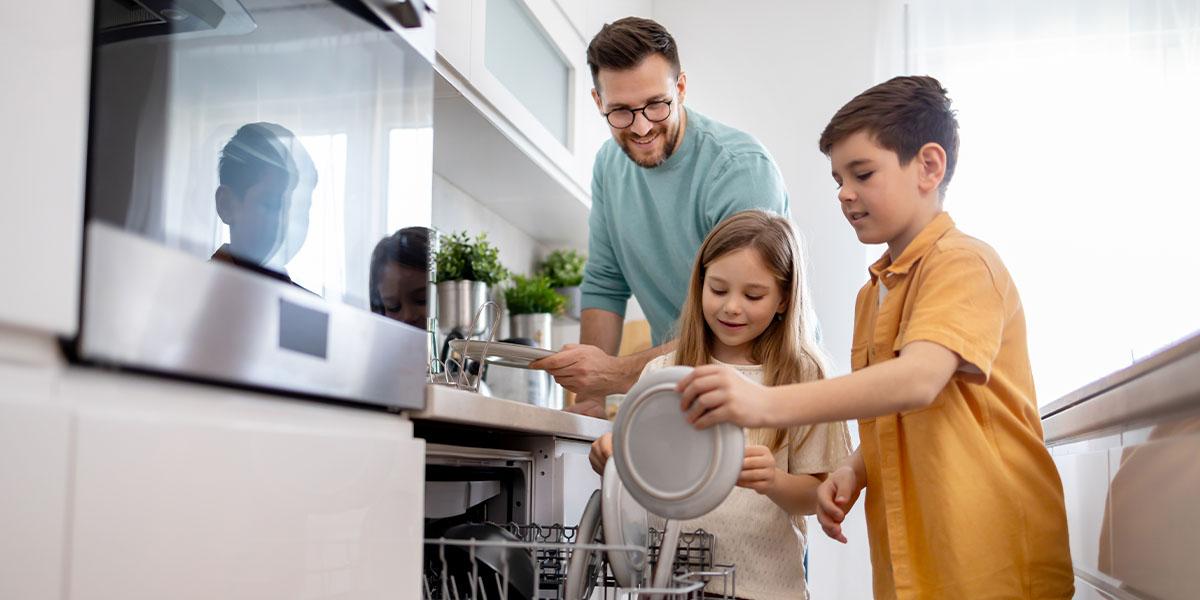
x=119, y=20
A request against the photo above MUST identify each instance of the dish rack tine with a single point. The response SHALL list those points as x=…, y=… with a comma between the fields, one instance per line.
x=463, y=376
x=474, y=571
x=503, y=580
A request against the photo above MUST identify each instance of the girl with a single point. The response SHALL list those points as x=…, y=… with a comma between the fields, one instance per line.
x=748, y=307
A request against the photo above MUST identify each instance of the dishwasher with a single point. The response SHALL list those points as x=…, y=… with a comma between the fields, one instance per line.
x=492, y=490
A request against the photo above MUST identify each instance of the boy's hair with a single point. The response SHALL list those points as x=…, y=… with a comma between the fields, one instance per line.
x=625, y=43
x=787, y=348
x=901, y=114
x=255, y=150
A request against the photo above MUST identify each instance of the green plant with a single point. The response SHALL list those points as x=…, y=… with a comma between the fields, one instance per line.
x=458, y=257
x=564, y=268
x=529, y=295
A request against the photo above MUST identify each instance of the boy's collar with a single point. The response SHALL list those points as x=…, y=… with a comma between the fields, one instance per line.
x=916, y=249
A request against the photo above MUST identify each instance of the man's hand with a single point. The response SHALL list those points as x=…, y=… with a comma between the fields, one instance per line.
x=600, y=453
x=587, y=371
x=715, y=394
x=835, y=496
x=758, y=470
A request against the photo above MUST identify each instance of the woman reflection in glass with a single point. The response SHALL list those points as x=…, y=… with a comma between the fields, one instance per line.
x=399, y=282
x=267, y=181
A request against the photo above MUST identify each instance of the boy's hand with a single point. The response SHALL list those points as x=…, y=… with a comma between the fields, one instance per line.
x=758, y=470
x=835, y=496
x=715, y=394
x=600, y=453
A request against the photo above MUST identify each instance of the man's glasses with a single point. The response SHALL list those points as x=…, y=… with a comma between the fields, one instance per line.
x=654, y=112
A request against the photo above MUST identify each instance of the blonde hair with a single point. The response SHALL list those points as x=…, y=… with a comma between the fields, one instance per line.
x=787, y=348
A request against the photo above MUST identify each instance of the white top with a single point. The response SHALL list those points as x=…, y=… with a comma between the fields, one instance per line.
x=764, y=543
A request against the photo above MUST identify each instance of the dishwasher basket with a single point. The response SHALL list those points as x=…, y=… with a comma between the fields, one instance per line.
x=550, y=547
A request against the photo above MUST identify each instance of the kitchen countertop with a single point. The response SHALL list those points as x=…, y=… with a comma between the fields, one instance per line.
x=447, y=404
x=1162, y=384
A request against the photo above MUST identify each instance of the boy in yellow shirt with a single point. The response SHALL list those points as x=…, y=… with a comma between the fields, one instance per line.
x=963, y=499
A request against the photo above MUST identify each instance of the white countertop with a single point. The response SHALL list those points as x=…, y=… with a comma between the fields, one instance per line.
x=451, y=405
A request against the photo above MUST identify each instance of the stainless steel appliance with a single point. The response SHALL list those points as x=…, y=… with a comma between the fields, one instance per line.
x=248, y=164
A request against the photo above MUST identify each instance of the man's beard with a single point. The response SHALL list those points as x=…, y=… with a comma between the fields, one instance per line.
x=668, y=134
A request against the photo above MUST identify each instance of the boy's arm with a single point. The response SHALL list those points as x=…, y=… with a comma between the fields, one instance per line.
x=796, y=494
x=714, y=394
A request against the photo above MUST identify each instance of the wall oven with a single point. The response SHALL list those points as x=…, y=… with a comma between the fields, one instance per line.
x=259, y=194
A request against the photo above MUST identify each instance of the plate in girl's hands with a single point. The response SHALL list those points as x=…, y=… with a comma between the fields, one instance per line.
x=671, y=468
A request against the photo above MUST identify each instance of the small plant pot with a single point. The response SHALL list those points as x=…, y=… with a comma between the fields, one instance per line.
x=535, y=326
x=458, y=301
x=574, y=299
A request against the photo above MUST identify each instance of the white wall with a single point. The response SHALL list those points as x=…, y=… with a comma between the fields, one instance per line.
x=779, y=69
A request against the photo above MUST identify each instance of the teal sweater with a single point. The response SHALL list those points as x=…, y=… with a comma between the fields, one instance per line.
x=647, y=224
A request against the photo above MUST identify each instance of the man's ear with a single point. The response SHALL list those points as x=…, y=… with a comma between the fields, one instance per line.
x=596, y=97
x=681, y=86
x=932, y=162
x=227, y=202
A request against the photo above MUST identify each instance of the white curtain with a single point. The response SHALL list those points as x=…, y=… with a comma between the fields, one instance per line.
x=1079, y=123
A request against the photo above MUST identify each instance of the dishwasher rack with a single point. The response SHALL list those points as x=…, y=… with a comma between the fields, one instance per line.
x=550, y=548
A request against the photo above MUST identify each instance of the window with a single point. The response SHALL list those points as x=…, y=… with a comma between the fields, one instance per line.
x=1079, y=134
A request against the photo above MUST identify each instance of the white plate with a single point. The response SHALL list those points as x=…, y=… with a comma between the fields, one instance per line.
x=626, y=523
x=500, y=353
x=579, y=569
x=666, y=555
x=673, y=469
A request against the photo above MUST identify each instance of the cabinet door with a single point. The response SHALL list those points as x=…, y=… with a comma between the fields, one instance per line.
x=187, y=492
x=34, y=445
x=454, y=34
x=530, y=63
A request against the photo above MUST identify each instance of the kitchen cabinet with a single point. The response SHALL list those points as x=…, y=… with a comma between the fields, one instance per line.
x=523, y=62
x=34, y=458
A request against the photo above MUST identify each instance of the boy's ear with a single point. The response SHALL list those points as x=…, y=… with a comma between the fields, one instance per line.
x=932, y=161
x=226, y=199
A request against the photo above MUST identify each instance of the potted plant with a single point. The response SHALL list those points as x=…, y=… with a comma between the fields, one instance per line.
x=532, y=304
x=564, y=269
x=465, y=270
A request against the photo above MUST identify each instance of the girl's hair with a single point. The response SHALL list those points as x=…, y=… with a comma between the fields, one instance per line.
x=787, y=348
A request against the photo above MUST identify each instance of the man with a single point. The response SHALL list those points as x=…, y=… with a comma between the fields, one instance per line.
x=667, y=177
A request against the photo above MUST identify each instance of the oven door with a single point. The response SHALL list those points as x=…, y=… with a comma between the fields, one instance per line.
x=259, y=195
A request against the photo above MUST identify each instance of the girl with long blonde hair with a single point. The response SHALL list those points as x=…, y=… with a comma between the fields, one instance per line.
x=748, y=307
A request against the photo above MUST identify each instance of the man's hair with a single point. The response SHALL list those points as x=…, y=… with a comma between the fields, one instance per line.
x=625, y=43
x=255, y=150
x=901, y=114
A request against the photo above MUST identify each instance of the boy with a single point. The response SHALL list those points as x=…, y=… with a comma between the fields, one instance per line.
x=964, y=500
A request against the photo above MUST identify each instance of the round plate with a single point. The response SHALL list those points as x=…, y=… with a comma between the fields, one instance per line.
x=500, y=353
x=673, y=469
x=580, y=571
x=626, y=523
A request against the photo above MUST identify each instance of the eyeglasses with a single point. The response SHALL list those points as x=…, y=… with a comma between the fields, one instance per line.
x=654, y=112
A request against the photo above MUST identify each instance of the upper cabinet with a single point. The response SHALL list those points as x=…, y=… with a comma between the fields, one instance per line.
x=525, y=61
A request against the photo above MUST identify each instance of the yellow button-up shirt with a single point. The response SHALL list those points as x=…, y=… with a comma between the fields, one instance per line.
x=963, y=500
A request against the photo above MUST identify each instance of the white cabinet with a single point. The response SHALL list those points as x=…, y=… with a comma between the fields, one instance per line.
x=525, y=61
x=34, y=459
x=185, y=491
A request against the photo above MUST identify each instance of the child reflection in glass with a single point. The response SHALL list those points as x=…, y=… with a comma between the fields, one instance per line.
x=267, y=180
x=399, y=284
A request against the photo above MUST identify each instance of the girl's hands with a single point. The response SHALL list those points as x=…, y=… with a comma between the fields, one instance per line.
x=758, y=470
x=600, y=453
x=715, y=394
x=835, y=496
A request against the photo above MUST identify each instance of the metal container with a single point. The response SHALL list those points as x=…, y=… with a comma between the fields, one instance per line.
x=574, y=298
x=457, y=303
x=534, y=326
